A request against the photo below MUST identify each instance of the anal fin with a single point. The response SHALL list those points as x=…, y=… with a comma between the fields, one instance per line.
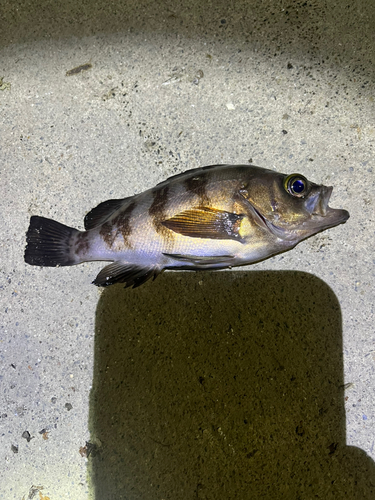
x=131, y=275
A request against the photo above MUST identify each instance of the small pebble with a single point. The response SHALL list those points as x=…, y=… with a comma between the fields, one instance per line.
x=26, y=435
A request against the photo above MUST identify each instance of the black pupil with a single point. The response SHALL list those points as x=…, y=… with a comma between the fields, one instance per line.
x=298, y=186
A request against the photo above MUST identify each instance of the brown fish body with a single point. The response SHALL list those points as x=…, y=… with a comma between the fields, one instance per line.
x=207, y=218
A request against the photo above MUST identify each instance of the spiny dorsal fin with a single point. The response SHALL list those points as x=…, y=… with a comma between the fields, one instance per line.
x=100, y=214
x=131, y=275
x=204, y=222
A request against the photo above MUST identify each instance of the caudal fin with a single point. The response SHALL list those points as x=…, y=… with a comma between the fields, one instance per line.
x=49, y=243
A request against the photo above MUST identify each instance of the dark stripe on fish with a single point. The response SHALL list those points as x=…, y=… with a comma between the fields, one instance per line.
x=82, y=244
x=197, y=185
x=122, y=221
x=157, y=209
x=107, y=233
x=111, y=229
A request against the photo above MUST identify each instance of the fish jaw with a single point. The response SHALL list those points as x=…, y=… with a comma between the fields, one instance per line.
x=322, y=216
x=334, y=216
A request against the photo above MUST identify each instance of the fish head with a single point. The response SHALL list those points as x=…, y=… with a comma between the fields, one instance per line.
x=291, y=207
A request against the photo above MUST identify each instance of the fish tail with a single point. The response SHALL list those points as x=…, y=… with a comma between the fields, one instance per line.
x=49, y=243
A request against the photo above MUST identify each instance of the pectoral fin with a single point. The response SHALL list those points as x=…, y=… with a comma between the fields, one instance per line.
x=204, y=222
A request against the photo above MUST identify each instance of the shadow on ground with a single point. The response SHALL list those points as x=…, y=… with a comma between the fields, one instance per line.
x=224, y=385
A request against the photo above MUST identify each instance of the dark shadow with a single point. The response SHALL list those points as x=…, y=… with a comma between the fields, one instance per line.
x=225, y=385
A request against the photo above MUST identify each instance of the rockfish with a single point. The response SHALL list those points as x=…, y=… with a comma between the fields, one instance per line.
x=213, y=217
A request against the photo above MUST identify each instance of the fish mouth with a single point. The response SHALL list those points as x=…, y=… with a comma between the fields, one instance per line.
x=322, y=214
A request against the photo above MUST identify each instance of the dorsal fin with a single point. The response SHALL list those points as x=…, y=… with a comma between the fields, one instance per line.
x=100, y=214
x=190, y=173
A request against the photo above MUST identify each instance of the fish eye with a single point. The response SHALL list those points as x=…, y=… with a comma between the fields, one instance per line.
x=296, y=185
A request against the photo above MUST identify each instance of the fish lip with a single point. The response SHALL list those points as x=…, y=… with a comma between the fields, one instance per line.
x=324, y=199
x=317, y=203
x=337, y=215
x=326, y=215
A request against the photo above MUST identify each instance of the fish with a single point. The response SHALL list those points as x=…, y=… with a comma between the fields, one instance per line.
x=208, y=218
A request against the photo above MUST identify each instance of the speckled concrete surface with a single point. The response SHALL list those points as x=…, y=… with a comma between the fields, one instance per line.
x=289, y=85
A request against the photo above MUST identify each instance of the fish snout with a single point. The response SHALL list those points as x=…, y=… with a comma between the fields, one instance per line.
x=334, y=216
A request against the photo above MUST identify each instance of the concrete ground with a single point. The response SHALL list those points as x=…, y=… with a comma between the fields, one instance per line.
x=229, y=385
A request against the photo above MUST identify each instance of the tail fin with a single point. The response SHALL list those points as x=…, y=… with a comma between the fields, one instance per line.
x=49, y=243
